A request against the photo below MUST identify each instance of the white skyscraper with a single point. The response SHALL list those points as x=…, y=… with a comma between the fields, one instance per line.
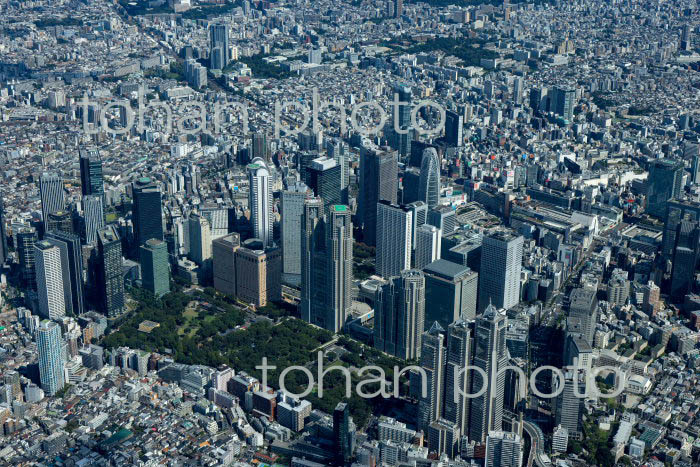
x=394, y=227
x=499, y=275
x=260, y=200
x=49, y=279
x=503, y=449
x=428, y=244
x=51, y=360
x=200, y=239
x=429, y=184
x=432, y=360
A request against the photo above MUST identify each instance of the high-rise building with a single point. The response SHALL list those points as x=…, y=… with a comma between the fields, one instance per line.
x=401, y=138
x=60, y=221
x=428, y=243
x=457, y=381
x=378, y=182
x=444, y=218
x=568, y=405
x=518, y=90
x=685, y=259
x=410, y=186
x=563, y=101
x=72, y=264
x=451, y=290
x=219, y=45
x=583, y=305
x=108, y=271
x=399, y=8
x=51, y=360
x=224, y=263
x=91, y=178
x=342, y=434
x=147, y=211
x=337, y=150
x=686, y=38
x=258, y=273
x=26, y=239
x=292, y=212
x=260, y=147
x=326, y=264
x=429, y=185
x=486, y=411
x=432, y=361
x=539, y=99
x=3, y=235
x=503, y=449
x=454, y=124
x=49, y=278
x=200, y=240
x=664, y=183
x=155, y=269
x=324, y=178
x=394, y=229
x=399, y=311
x=260, y=201
x=52, y=195
x=420, y=217
x=94, y=217
x=499, y=275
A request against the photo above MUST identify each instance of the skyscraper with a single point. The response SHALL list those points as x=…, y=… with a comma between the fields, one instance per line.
x=260, y=201
x=49, y=277
x=3, y=235
x=200, y=240
x=258, y=273
x=518, y=90
x=109, y=278
x=218, y=46
x=686, y=38
x=50, y=346
x=454, y=124
x=224, y=263
x=499, y=275
x=685, y=259
x=91, y=178
x=429, y=185
x=399, y=313
x=52, y=194
x=428, y=243
x=26, y=238
x=292, y=212
x=342, y=434
x=457, y=381
x=61, y=221
x=564, y=102
x=72, y=254
x=503, y=449
x=402, y=120
x=486, y=411
x=432, y=361
x=378, y=182
x=568, y=405
x=94, y=217
x=326, y=265
x=394, y=228
x=583, y=305
x=419, y=209
x=147, y=211
x=399, y=8
x=324, y=177
x=451, y=291
x=155, y=269
x=663, y=184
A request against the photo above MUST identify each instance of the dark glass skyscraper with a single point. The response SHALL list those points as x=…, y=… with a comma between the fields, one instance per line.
x=378, y=182
x=664, y=183
x=147, y=211
x=52, y=195
x=155, y=269
x=108, y=272
x=342, y=434
x=91, y=179
x=324, y=177
x=26, y=239
x=3, y=237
